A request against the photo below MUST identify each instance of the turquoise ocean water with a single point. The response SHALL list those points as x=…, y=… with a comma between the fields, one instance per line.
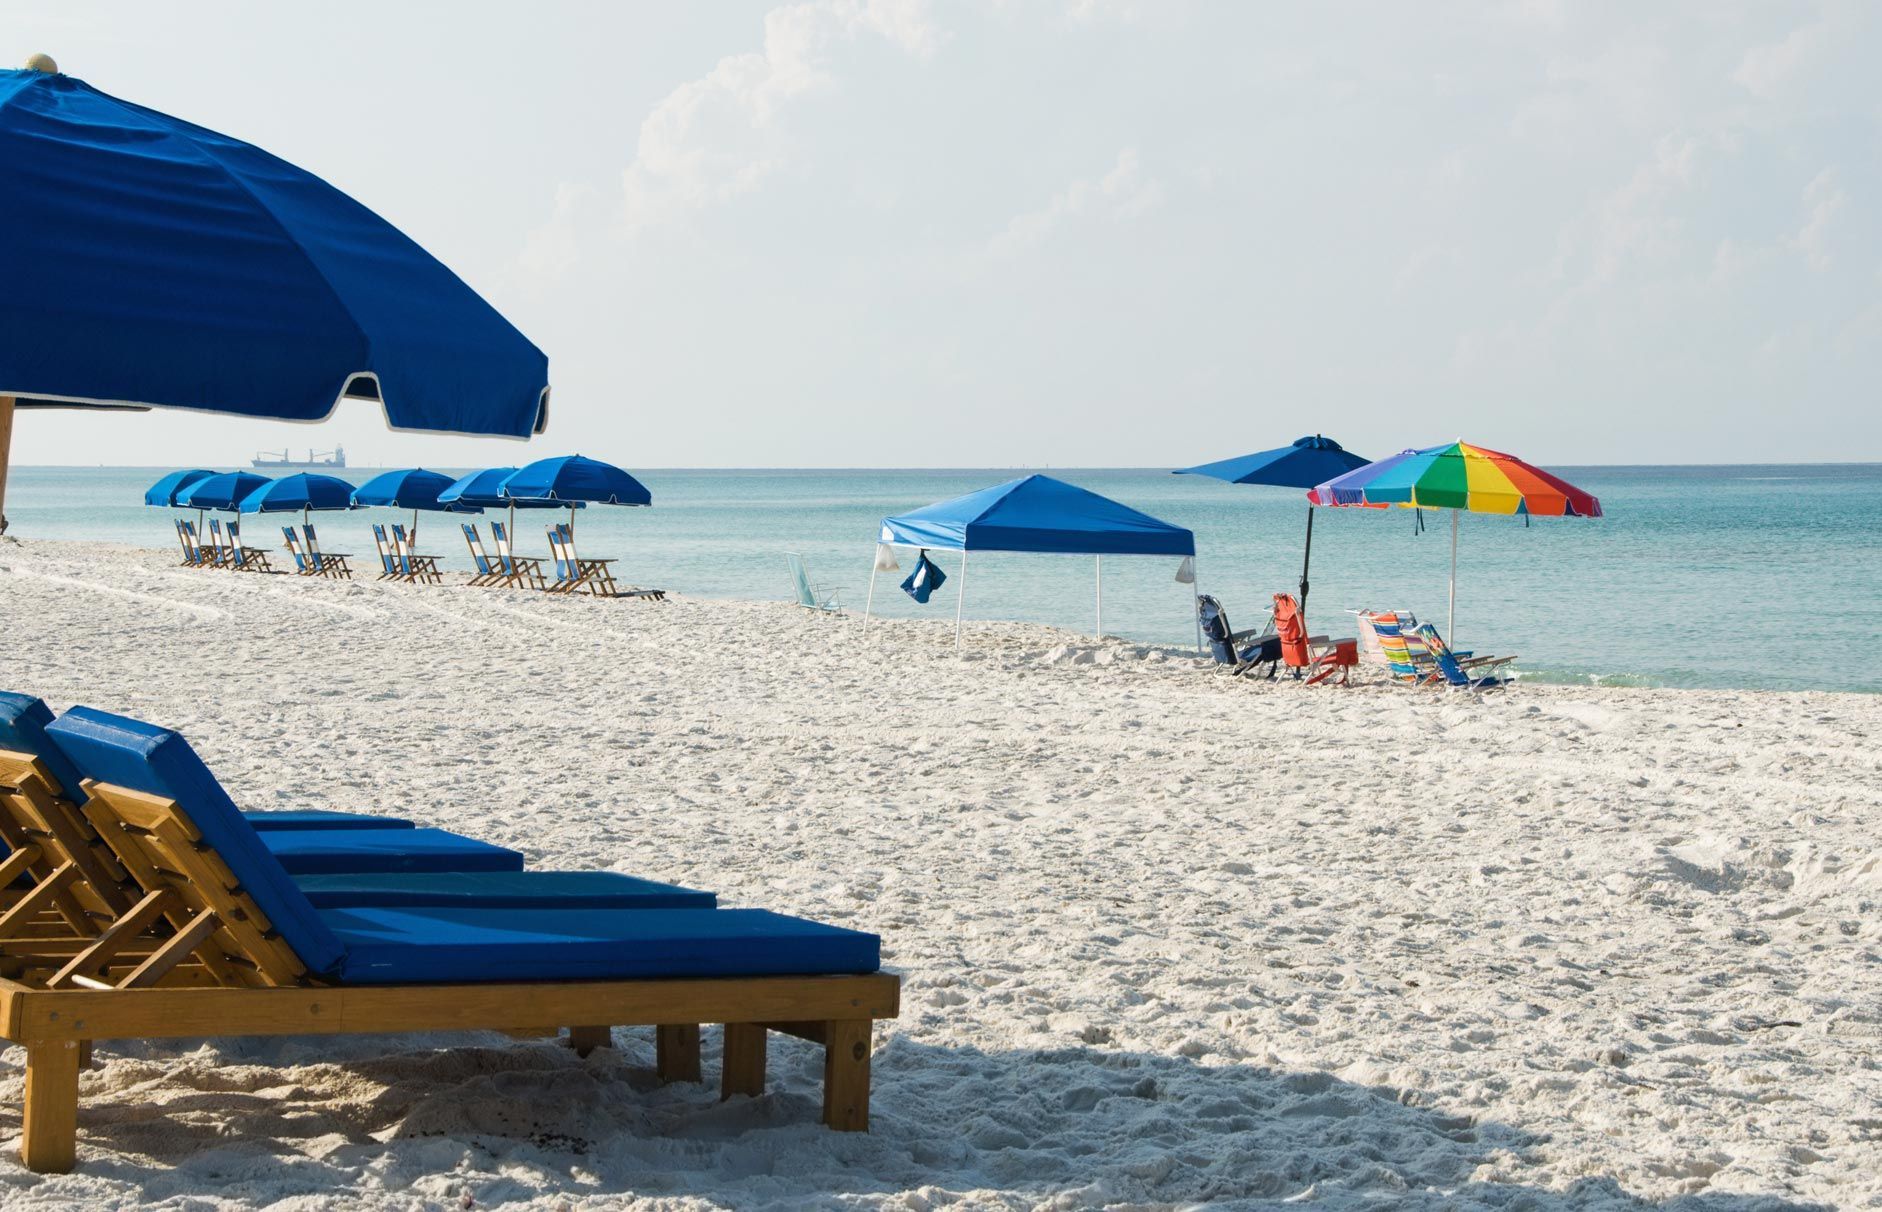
x=1743, y=576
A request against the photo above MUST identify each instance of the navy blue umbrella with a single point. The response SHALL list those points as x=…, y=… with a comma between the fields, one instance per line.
x=571, y=480
x=298, y=493
x=485, y=489
x=224, y=491
x=411, y=488
x=164, y=491
x=1304, y=463
x=158, y=264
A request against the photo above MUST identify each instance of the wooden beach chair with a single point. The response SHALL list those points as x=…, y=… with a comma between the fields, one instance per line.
x=573, y=573
x=242, y=557
x=186, y=539
x=326, y=563
x=808, y=595
x=523, y=571
x=219, y=941
x=388, y=559
x=416, y=567
x=302, y=565
x=489, y=572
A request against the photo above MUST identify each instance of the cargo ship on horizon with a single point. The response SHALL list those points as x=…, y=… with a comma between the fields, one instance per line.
x=267, y=460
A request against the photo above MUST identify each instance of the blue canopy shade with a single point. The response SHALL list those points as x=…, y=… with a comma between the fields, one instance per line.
x=153, y=262
x=1038, y=514
x=164, y=491
x=1303, y=464
x=303, y=490
x=224, y=491
x=409, y=488
x=485, y=490
x=569, y=478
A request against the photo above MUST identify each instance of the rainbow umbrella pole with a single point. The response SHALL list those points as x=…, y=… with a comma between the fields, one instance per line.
x=1458, y=477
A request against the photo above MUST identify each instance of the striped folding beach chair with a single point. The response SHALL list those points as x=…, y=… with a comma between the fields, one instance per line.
x=302, y=565
x=517, y=570
x=388, y=558
x=326, y=563
x=489, y=572
x=415, y=567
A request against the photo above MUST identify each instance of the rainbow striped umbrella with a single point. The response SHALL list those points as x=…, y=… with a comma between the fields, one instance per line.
x=1459, y=477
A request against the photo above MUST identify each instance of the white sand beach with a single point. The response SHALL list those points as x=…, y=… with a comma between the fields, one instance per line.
x=1169, y=939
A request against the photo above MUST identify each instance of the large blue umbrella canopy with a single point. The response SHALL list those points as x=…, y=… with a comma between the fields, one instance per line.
x=154, y=262
x=485, y=488
x=299, y=493
x=410, y=488
x=224, y=491
x=569, y=478
x=164, y=491
x=1303, y=463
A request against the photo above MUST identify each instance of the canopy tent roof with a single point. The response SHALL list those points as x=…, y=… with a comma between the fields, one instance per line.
x=1037, y=514
x=164, y=264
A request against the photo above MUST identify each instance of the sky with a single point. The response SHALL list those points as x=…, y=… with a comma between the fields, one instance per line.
x=993, y=233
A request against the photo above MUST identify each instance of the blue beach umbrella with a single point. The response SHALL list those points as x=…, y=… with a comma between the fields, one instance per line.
x=159, y=264
x=571, y=480
x=411, y=488
x=165, y=491
x=1303, y=463
x=484, y=489
x=299, y=493
x=224, y=491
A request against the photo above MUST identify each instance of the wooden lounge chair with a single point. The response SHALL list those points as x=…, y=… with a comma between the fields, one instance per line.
x=489, y=572
x=219, y=942
x=194, y=555
x=808, y=595
x=302, y=565
x=414, y=567
x=388, y=559
x=243, y=558
x=574, y=574
x=521, y=571
x=326, y=563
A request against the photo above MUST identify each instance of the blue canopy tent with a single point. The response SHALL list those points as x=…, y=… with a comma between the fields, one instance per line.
x=411, y=488
x=159, y=264
x=1303, y=463
x=1033, y=514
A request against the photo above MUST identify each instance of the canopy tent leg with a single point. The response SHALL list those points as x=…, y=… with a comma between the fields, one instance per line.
x=1450, y=619
x=960, y=599
x=6, y=451
x=869, y=602
x=1099, y=560
x=1305, y=560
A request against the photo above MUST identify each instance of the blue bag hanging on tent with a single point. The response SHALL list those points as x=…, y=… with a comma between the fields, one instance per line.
x=926, y=578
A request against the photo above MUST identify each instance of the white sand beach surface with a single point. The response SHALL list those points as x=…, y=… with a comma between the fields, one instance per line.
x=1170, y=939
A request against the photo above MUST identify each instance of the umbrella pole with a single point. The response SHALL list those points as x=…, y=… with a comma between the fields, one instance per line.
x=960, y=599
x=1100, y=563
x=1305, y=560
x=1450, y=619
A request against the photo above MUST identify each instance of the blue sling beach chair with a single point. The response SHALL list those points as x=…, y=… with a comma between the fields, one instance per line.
x=222, y=941
x=1242, y=651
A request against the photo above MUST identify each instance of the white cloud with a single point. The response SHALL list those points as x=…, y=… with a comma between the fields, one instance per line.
x=553, y=249
x=1639, y=222
x=1122, y=193
x=716, y=137
x=1824, y=200
x=1765, y=70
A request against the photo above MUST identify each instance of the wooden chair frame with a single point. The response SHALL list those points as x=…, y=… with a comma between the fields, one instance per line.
x=417, y=567
x=193, y=955
x=487, y=571
x=326, y=563
x=596, y=575
x=521, y=572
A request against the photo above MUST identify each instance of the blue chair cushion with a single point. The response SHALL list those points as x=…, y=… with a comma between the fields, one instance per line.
x=348, y=851
x=397, y=946
x=23, y=721
x=321, y=818
x=500, y=889
x=109, y=748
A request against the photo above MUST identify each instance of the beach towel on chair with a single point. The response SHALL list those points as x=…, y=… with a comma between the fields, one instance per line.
x=926, y=578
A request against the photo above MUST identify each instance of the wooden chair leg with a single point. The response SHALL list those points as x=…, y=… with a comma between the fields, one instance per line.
x=743, y=1069
x=846, y=1074
x=49, y=1136
x=586, y=1039
x=676, y=1052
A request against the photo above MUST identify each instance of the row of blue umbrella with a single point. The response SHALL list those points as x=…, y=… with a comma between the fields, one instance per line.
x=564, y=482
